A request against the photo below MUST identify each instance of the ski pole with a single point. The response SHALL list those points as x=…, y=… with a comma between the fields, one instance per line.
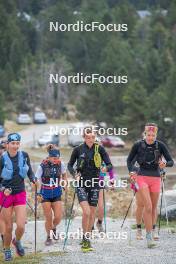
x=161, y=203
x=30, y=206
x=165, y=203
x=65, y=211
x=35, y=218
x=71, y=210
x=104, y=203
x=128, y=209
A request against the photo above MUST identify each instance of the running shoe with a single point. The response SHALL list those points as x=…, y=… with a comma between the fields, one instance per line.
x=18, y=247
x=48, y=241
x=150, y=242
x=7, y=254
x=155, y=235
x=139, y=234
x=86, y=246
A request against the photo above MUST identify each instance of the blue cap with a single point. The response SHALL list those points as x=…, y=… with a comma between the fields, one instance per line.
x=54, y=153
x=13, y=137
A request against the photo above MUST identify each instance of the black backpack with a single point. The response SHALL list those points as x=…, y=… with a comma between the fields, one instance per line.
x=144, y=150
x=84, y=159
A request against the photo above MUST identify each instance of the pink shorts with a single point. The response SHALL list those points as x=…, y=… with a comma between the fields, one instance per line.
x=153, y=183
x=12, y=199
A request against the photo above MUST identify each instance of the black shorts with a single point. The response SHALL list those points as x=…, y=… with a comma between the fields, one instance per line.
x=88, y=194
x=51, y=200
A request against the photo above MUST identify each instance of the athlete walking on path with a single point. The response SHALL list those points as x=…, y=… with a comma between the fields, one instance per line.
x=3, y=145
x=89, y=157
x=149, y=153
x=49, y=174
x=14, y=168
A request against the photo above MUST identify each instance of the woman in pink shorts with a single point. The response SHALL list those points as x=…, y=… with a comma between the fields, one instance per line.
x=14, y=168
x=149, y=154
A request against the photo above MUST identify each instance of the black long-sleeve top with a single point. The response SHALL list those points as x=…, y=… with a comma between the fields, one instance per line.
x=89, y=170
x=152, y=171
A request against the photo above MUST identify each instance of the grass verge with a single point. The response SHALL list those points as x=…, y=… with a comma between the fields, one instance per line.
x=171, y=225
x=31, y=258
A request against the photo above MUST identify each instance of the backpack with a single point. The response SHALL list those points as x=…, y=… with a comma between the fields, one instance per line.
x=145, y=149
x=7, y=171
x=83, y=157
x=50, y=171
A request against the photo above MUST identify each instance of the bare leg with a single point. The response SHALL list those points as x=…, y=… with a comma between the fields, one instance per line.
x=48, y=217
x=139, y=210
x=91, y=218
x=85, y=216
x=57, y=209
x=100, y=206
x=20, y=214
x=144, y=195
x=154, y=199
x=7, y=216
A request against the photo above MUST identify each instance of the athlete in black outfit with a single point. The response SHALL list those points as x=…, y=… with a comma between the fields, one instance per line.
x=86, y=157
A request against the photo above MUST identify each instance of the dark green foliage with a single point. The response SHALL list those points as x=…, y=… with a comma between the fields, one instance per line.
x=146, y=53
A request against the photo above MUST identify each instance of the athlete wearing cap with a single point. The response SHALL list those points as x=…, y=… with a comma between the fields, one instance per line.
x=149, y=154
x=14, y=168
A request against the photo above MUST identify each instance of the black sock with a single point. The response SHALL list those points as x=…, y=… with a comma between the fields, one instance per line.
x=85, y=238
x=99, y=221
x=154, y=226
x=93, y=227
x=139, y=226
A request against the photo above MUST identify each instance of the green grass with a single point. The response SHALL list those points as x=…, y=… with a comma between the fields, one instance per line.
x=12, y=126
x=31, y=258
x=171, y=224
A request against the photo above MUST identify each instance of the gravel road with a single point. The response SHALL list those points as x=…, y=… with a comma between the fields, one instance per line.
x=126, y=251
